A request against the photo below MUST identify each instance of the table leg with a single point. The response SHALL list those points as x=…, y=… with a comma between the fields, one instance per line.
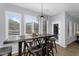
x=46, y=47
x=20, y=48
x=45, y=50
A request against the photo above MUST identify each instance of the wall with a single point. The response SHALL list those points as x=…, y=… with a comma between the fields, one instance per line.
x=2, y=25
x=50, y=25
x=58, y=19
x=71, y=29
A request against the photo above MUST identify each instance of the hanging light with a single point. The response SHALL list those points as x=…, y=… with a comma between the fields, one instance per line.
x=42, y=16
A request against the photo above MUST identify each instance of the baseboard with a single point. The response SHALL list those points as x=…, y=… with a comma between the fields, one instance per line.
x=71, y=42
x=61, y=45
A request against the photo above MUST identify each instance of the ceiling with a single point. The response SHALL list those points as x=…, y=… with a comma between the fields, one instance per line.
x=53, y=8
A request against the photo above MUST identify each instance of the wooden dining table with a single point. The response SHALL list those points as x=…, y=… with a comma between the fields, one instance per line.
x=26, y=38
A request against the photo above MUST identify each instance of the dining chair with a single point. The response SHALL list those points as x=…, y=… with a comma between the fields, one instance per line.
x=49, y=49
x=33, y=48
x=53, y=43
x=6, y=51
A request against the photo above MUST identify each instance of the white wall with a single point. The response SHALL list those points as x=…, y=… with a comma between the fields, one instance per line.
x=50, y=25
x=2, y=25
x=60, y=20
x=70, y=35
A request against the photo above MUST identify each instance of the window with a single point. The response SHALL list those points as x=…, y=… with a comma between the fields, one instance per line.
x=70, y=28
x=32, y=24
x=13, y=23
x=74, y=28
x=44, y=27
x=36, y=27
x=77, y=27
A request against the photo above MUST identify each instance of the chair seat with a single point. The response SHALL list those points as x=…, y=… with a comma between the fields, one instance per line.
x=52, y=39
x=35, y=49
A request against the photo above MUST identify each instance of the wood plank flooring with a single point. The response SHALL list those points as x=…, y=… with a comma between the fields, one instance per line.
x=71, y=50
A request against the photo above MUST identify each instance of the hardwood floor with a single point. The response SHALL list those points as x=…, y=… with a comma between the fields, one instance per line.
x=71, y=50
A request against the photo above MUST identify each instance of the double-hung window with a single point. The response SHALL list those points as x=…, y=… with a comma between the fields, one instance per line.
x=13, y=23
x=45, y=26
x=31, y=24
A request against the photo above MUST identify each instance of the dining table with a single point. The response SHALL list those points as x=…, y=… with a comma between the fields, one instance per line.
x=21, y=39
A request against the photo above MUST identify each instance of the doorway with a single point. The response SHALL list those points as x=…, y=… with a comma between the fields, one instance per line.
x=56, y=30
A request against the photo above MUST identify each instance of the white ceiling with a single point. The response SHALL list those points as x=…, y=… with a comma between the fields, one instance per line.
x=52, y=8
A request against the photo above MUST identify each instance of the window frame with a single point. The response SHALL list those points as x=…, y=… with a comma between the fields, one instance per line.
x=46, y=26
x=32, y=24
x=7, y=22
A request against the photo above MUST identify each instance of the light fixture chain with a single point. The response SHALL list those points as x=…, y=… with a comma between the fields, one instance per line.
x=41, y=9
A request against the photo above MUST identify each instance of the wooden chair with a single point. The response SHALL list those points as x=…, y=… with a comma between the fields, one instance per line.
x=49, y=49
x=33, y=48
x=6, y=50
x=53, y=43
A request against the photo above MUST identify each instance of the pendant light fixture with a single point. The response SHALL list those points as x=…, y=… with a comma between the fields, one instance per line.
x=42, y=16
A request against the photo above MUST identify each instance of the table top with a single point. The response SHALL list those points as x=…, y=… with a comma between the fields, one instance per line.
x=27, y=38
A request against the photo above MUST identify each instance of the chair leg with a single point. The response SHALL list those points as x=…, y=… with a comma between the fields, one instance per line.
x=52, y=50
x=29, y=53
x=55, y=46
x=24, y=50
x=47, y=52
